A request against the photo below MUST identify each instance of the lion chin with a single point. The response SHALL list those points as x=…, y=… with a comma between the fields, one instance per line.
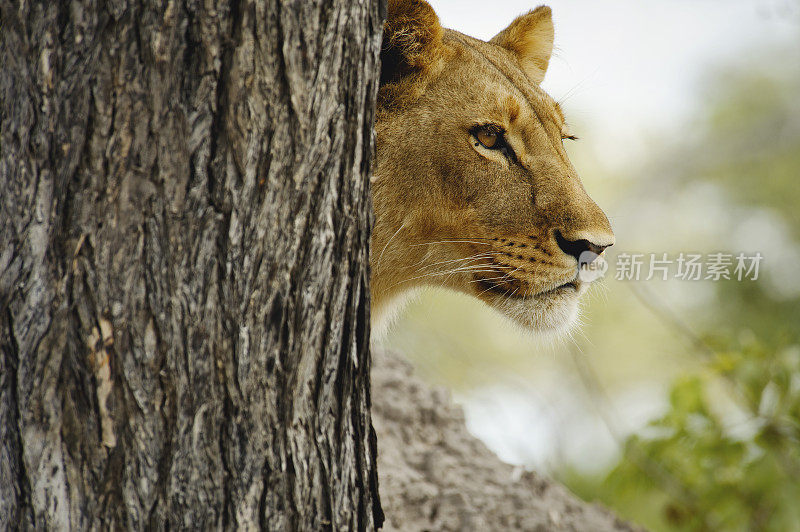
x=551, y=314
x=554, y=313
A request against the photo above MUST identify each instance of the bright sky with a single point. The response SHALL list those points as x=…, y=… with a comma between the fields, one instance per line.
x=629, y=67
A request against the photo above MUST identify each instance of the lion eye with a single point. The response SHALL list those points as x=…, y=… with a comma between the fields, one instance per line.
x=487, y=138
x=492, y=137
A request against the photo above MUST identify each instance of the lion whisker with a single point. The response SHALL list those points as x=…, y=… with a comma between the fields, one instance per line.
x=465, y=261
x=485, y=254
x=502, y=277
x=476, y=268
x=453, y=242
x=389, y=242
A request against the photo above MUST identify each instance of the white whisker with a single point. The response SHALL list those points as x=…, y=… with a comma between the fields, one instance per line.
x=388, y=242
x=484, y=255
x=452, y=242
x=476, y=268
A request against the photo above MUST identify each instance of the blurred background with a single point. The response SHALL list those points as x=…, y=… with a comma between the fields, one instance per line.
x=677, y=403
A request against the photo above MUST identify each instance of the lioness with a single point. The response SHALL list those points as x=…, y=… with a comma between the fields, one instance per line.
x=473, y=189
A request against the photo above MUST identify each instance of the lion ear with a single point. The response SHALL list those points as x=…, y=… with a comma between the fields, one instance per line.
x=411, y=35
x=530, y=38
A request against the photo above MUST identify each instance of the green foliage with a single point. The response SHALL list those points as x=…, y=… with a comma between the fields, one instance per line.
x=751, y=139
x=725, y=455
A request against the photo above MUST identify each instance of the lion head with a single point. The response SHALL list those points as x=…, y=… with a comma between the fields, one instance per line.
x=473, y=189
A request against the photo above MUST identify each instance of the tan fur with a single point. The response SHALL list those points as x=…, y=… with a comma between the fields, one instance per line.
x=453, y=214
x=530, y=39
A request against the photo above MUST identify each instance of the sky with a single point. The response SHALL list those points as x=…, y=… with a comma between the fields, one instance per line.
x=627, y=68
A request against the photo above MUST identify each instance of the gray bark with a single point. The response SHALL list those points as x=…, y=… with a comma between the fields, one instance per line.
x=184, y=222
x=436, y=476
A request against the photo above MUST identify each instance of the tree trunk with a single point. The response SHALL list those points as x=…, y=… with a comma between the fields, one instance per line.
x=184, y=224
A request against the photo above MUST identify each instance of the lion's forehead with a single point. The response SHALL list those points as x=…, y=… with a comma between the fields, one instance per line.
x=490, y=81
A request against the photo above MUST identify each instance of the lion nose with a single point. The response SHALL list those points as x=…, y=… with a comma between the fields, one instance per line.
x=578, y=247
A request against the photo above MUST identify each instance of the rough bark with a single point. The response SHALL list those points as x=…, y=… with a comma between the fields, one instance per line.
x=184, y=264
x=436, y=476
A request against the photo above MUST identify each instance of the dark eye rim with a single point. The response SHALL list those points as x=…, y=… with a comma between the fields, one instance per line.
x=569, y=137
x=501, y=145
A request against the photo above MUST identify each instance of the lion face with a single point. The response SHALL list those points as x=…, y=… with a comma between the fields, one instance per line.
x=473, y=188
